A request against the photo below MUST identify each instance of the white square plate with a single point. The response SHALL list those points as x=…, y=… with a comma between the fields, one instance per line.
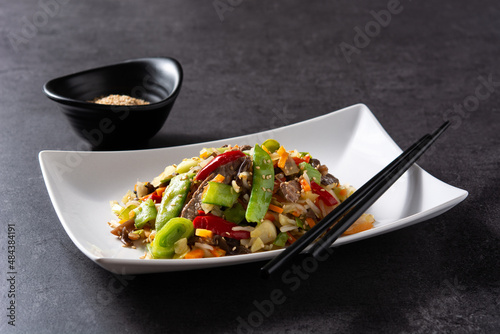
x=351, y=142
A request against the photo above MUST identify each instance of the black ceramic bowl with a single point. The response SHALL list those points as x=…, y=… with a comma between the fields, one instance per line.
x=107, y=127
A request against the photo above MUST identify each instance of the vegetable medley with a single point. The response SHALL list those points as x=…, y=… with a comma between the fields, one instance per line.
x=230, y=200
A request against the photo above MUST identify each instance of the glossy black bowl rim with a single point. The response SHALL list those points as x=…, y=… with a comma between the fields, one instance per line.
x=94, y=106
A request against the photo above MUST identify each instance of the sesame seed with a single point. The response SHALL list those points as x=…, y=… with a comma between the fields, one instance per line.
x=263, y=177
x=119, y=100
x=257, y=167
x=264, y=189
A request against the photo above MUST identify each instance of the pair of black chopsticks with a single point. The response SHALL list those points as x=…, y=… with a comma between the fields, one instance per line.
x=353, y=207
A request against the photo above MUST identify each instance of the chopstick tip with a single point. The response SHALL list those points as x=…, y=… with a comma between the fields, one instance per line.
x=264, y=273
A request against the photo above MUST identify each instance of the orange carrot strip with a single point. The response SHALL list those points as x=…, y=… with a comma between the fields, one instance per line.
x=217, y=252
x=305, y=185
x=283, y=157
x=310, y=222
x=219, y=178
x=275, y=208
x=195, y=254
x=291, y=238
x=269, y=216
x=160, y=191
x=359, y=226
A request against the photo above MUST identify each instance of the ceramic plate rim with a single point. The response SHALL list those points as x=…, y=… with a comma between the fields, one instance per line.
x=136, y=266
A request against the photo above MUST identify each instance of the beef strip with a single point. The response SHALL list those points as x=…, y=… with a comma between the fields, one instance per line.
x=290, y=167
x=245, y=148
x=290, y=190
x=190, y=210
x=328, y=179
x=229, y=171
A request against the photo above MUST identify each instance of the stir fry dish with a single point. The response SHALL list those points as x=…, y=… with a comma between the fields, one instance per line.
x=230, y=200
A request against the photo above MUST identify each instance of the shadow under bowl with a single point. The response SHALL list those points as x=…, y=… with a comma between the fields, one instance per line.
x=113, y=127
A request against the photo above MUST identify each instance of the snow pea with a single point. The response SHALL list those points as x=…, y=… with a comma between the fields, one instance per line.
x=173, y=200
x=175, y=229
x=262, y=186
x=145, y=213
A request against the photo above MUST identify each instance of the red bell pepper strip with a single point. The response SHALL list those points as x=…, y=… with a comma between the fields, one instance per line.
x=297, y=160
x=154, y=196
x=219, y=160
x=219, y=226
x=324, y=195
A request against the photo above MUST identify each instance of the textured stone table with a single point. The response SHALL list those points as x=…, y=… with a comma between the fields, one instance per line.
x=412, y=63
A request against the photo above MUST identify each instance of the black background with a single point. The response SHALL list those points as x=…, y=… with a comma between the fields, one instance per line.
x=437, y=276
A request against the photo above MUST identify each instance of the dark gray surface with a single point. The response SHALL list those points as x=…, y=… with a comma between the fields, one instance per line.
x=438, y=276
